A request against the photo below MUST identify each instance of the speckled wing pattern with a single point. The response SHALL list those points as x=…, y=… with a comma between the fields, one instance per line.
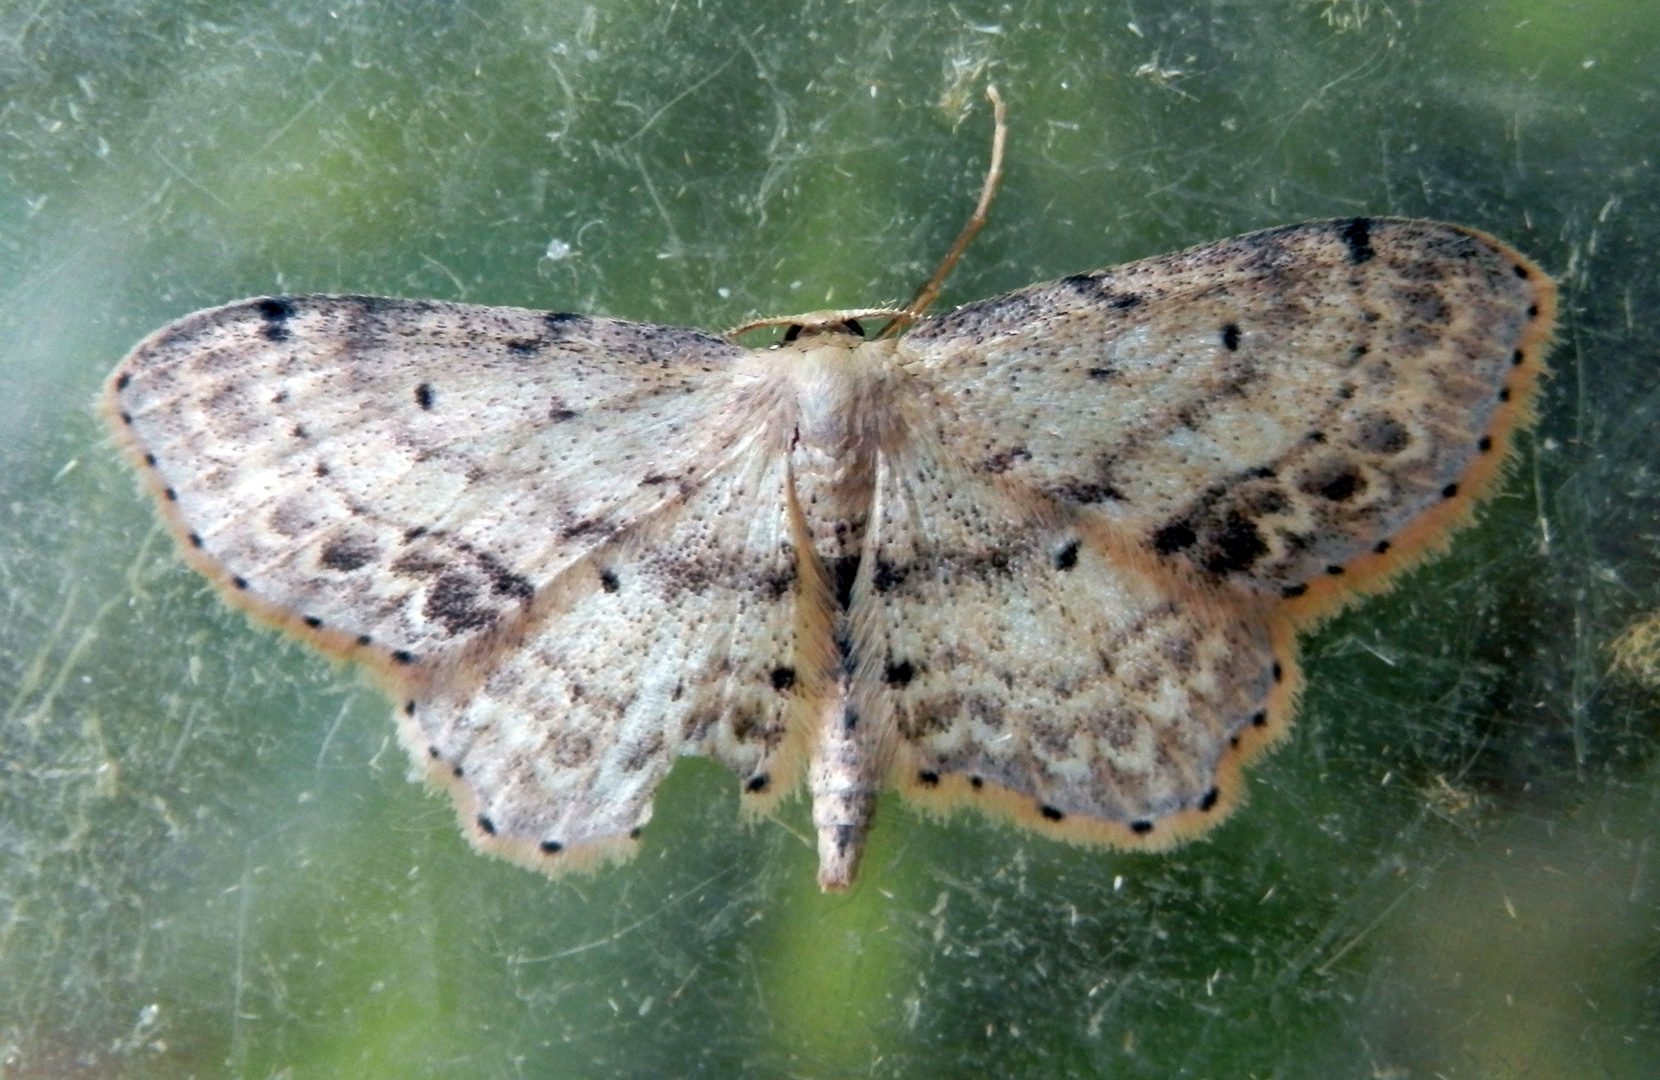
x=443, y=491
x=1225, y=443
x=1032, y=661
x=1046, y=555
x=681, y=636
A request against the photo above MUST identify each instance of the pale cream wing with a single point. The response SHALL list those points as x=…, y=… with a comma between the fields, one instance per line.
x=1026, y=661
x=394, y=478
x=1275, y=409
x=699, y=633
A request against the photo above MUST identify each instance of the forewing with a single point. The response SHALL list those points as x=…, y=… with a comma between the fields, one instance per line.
x=695, y=634
x=1028, y=663
x=395, y=477
x=1274, y=408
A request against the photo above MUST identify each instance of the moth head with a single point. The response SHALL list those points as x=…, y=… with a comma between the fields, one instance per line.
x=844, y=323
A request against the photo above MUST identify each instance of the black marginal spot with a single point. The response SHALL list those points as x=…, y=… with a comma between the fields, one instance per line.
x=403, y=656
x=1334, y=570
x=1230, y=337
x=195, y=541
x=1485, y=443
x=1517, y=357
x=1533, y=311
x=1357, y=234
x=1449, y=491
x=314, y=622
x=424, y=396
x=432, y=752
x=928, y=778
x=1261, y=718
x=899, y=674
x=364, y=639
x=1381, y=546
x=121, y=383
x=172, y=496
x=608, y=581
x=321, y=469
x=846, y=570
x=1067, y=557
x=634, y=833
x=1209, y=799
x=783, y=678
x=127, y=418
x=757, y=783
x=1316, y=436
x=150, y=460
x=299, y=431
x=1173, y=538
x=275, y=308
x=276, y=312
x=853, y=326
x=458, y=772
x=1504, y=395
x=240, y=582
x=1279, y=672
x=487, y=825
x=976, y=783
x=1141, y=828
x=409, y=710
x=1291, y=592
x=1050, y=812
x=1521, y=272
x=551, y=847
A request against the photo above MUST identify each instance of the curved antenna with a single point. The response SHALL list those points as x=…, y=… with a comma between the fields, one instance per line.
x=930, y=289
x=820, y=319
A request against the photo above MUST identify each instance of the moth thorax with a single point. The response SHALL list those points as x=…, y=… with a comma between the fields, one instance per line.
x=841, y=410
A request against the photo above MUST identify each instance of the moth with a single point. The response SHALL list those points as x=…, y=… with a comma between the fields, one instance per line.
x=1046, y=555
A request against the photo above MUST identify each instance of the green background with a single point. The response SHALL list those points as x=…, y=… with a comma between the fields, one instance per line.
x=211, y=862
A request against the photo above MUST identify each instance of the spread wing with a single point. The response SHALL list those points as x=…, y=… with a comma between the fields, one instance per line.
x=569, y=541
x=695, y=634
x=395, y=480
x=1277, y=410
x=1119, y=492
x=1028, y=661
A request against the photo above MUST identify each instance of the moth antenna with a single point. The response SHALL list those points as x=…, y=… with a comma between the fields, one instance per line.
x=930, y=290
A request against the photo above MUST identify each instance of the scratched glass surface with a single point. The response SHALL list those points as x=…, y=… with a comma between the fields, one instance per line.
x=210, y=859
